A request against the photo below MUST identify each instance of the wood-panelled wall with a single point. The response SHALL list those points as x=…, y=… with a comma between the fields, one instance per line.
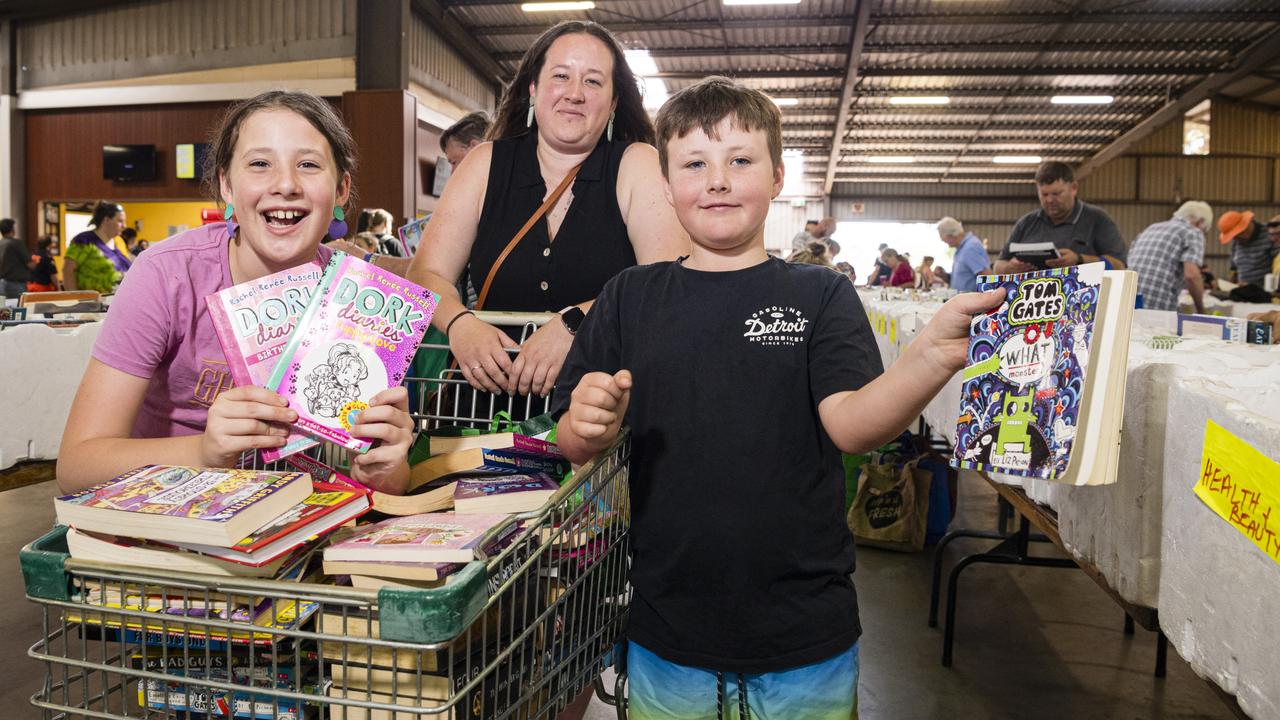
x=64, y=152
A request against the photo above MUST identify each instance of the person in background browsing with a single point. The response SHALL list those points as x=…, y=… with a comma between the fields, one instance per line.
x=725, y=615
x=924, y=273
x=901, y=275
x=15, y=261
x=573, y=107
x=1081, y=232
x=1252, y=250
x=157, y=389
x=44, y=273
x=881, y=272
x=1167, y=257
x=463, y=136
x=93, y=262
x=971, y=259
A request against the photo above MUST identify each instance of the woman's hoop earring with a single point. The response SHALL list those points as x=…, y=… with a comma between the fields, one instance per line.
x=529, y=120
x=338, y=226
x=608, y=133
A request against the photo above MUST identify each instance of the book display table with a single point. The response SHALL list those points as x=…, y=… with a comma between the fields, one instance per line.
x=1149, y=538
x=41, y=367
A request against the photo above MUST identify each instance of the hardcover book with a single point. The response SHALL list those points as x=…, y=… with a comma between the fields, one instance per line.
x=209, y=506
x=355, y=339
x=327, y=508
x=253, y=321
x=1043, y=387
x=431, y=537
x=503, y=493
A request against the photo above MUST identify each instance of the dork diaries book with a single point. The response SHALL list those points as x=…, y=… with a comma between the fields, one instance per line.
x=253, y=321
x=355, y=339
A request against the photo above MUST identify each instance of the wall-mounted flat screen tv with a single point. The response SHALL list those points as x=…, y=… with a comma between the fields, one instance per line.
x=127, y=163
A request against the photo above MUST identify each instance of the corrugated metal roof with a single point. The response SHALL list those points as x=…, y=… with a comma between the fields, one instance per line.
x=1000, y=64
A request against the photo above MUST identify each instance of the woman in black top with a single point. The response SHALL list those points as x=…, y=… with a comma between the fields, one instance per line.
x=573, y=101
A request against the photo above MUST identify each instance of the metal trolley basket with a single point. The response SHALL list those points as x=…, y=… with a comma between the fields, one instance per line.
x=515, y=635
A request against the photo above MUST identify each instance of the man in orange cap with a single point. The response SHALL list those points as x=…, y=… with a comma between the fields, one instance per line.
x=1251, y=253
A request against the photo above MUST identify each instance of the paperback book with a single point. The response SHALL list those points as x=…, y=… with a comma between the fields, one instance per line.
x=431, y=537
x=503, y=493
x=327, y=508
x=253, y=321
x=1043, y=386
x=355, y=339
x=209, y=506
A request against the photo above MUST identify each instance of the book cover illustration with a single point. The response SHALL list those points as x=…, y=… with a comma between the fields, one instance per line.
x=1023, y=381
x=210, y=494
x=402, y=538
x=253, y=322
x=356, y=338
x=478, y=487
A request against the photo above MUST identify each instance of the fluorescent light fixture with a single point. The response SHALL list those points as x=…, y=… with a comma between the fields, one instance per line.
x=531, y=7
x=890, y=159
x=1016, y=159
x=642, y=64
x=761, y=2
x=785, y=102
x=919, y=100
x=1082, y=100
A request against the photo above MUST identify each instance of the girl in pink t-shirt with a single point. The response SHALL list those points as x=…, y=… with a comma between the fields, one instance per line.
x=156, y=389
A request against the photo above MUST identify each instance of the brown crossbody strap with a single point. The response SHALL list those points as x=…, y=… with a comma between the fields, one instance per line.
x=542, y=210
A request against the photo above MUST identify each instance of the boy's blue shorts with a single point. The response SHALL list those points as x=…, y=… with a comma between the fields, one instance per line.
x=662, y=690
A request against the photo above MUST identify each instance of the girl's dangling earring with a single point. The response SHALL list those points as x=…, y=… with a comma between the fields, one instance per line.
x=338, y=226
x=608, y=133
x=229, y=215
x=529, y=120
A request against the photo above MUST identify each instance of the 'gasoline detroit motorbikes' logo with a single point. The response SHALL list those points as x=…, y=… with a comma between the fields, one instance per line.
x=776, y=325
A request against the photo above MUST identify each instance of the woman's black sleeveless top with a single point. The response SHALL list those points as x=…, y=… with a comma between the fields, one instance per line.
x=591, y=247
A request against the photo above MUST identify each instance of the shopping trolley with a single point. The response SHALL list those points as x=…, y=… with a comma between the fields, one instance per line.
x=515, y=634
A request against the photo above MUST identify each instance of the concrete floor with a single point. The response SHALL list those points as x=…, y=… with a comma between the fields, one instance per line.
x=1032, y=642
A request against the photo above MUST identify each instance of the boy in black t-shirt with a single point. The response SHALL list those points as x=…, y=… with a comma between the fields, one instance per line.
x=742, y=378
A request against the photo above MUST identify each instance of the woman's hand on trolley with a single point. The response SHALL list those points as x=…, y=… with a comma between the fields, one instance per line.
x=541, y=356
x=385, y=466
x=244, y=418
x=481, y=352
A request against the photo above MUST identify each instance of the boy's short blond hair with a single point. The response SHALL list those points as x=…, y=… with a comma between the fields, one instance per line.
x=705, y=103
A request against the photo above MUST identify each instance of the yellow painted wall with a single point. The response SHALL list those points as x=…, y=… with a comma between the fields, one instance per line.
x=155, y=220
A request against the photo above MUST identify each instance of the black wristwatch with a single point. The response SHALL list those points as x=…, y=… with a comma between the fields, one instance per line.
x=572, y=318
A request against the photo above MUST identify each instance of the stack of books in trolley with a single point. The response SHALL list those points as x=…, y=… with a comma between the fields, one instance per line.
x=326, y=339
x=467, y=491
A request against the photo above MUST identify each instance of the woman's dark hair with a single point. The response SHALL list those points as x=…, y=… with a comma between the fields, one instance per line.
x=44, y=243
x=102, y=211
x=128, y=234
x=630, y=121
x=315, y=110
x=364, y=220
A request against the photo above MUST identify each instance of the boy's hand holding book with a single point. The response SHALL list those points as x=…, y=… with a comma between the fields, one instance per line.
x=595, y=414
x=387, y=421
x=244, y=418
x=944, y=342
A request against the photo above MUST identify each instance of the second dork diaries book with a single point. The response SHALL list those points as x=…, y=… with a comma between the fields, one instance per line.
x=253, y=321
x=1024, y=379
x=355, y=339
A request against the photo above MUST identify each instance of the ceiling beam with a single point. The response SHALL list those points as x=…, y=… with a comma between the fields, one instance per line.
x=462, y=42
x=791, y=21
x=1259, y=53
x=860, y=27
x=982, y=48
x=966, y=72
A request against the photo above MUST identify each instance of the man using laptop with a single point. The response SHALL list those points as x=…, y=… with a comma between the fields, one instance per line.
x=1064, y=231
